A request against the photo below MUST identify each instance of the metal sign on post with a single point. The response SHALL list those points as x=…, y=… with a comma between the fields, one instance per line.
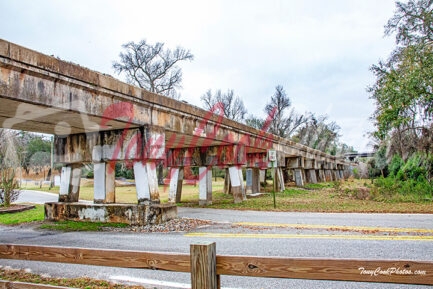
x=272, y=155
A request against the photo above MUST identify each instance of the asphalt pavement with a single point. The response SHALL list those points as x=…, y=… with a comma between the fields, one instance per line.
x=285, y=234
x=36, y=197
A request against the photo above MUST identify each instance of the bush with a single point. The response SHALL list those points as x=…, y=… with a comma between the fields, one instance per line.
x=395, y=165
x=407, y=181
x=124, y=170
x=413, y=168
x=356, y=174
x=9, y=192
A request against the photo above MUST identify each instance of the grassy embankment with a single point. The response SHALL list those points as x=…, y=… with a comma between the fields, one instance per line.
x=349, y=196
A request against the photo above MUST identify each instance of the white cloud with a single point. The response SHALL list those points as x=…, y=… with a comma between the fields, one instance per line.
x=319, y=51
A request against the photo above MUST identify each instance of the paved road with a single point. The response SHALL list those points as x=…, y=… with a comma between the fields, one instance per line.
x=298, y=237
x=27, y=196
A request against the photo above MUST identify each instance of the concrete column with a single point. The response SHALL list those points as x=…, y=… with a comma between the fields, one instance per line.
x=241, y=179
x=175, y=190
x=336, y=175
x=238, y=194
x=141, y=183
x=341, y=172
x=70, y=183
x=104, y=186
x=328, y=175
x=280, y=179
x=227, y=183
x=299, y=177
x=205, y=186
x=321, y=176
x=146, y=182
x=153, y=181
x=249, y=181
x=312, y=178
x=262, y=176
x=256, y=180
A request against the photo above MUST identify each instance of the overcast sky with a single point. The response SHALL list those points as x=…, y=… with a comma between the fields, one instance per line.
x=320, y=51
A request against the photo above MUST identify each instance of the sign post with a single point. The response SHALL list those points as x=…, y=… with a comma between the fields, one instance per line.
x=272, y=157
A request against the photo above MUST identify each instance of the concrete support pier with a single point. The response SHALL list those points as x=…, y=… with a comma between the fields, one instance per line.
x=256, y=180
x=311, y=176
x=146, y=182
x=104, y=186
x=70, y=183
x=299, y=177
x=279, y=178
x=252, y=181
x=205, y=186
x=175, y=189
x=227, y=183
x=249, y=181
x=237, y=184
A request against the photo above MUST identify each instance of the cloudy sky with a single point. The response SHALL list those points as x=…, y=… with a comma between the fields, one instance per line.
x=320, y=51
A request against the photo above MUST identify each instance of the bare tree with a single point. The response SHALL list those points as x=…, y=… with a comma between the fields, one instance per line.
x=256, y=122
x=152, y=67
x=319, y=134
x=412, y=22
x=283, y=123
x=232, y=106
x=276, y=108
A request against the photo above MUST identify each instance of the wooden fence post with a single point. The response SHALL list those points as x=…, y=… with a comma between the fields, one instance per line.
x=203, y=266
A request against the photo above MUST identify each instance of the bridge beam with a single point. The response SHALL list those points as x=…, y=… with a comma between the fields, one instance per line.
x=224, y=155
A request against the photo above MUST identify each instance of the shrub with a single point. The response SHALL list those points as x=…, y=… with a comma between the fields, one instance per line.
x=395, y=165
x=356, y=174
x=9, y=192
x=413, y=168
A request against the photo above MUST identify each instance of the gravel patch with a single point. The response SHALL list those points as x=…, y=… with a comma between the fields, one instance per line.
x=175, y=225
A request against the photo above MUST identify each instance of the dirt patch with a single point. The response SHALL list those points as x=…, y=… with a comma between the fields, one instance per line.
x=15, y=209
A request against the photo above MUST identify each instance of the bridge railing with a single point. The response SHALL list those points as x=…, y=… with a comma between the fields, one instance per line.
x=206, y=267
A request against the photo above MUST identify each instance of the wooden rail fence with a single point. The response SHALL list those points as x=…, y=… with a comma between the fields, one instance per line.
x=206, y=267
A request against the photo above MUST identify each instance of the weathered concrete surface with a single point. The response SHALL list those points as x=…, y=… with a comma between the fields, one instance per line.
x=44, y=94
x=116, y=213
x=96, y=118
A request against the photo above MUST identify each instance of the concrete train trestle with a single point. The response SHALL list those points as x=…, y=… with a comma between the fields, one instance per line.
x=98, y=119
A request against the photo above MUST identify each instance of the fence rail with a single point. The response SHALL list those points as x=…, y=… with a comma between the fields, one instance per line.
x=206, y=267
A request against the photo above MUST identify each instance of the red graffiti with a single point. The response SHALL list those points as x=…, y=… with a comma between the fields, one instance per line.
x=149, y=145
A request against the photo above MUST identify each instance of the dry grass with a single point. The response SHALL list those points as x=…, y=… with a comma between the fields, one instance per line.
x=9, y=274
x=348, y=196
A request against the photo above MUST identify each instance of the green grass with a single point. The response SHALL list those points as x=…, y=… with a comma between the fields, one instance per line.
x=321, y=197
x=32, y=215
x=37, y=215
x=318, y=186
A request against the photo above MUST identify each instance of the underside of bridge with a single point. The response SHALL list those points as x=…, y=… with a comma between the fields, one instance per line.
x=98, y=119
